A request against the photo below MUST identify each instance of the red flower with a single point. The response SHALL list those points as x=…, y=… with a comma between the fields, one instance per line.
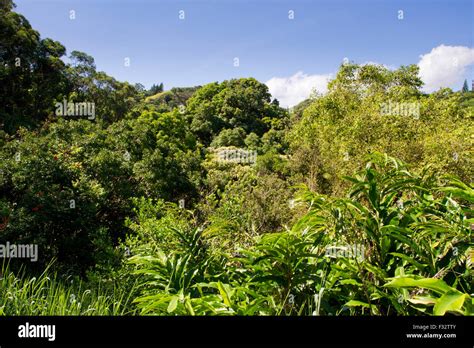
x=38, y=207
x=4, y=223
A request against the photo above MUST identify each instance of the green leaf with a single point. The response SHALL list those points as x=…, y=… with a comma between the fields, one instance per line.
x=173, y=304
x=410, y=260
x=189, y=307
x=354, y=303
x=423, y=300
x=225, y=292
x=467, y=194
x=433, y=284
x=451, y=301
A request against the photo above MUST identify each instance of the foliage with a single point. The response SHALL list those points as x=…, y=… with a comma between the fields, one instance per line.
x=450, y=300
x=168, y=100
x=136, y=206
x=409, y=226
x=369, y=109
x=240, y=103
x=76, y=171
x=49, y=295
x=31, y=75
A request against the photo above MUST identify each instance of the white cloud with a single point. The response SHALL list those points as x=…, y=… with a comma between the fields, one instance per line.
x=294, y=89
x=445, y=66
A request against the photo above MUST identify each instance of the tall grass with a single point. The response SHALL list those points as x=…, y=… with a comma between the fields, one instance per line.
x=46, y=294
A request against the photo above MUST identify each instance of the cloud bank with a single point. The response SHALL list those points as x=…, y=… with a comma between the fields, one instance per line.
x=445, y=66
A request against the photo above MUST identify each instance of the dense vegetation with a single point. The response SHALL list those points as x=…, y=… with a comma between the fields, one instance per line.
x=350, y=208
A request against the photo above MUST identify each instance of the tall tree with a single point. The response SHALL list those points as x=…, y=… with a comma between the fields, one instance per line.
x=465, y=87
x=112, y=98
x=155, y=89
x=32, y=74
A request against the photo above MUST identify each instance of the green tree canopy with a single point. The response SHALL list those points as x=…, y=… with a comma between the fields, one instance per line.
x=244, y=103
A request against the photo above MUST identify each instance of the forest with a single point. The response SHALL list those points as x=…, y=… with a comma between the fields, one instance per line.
x=215, y=200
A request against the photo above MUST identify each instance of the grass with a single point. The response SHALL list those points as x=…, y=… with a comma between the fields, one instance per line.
x=48, y=295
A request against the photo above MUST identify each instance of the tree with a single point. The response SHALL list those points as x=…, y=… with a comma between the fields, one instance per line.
x=6, y=5
x=338, y=129
x=32, y=75
x=230, y=137
x=244, y=103
x=155, y=89
x=465, y=87
x=113, y=99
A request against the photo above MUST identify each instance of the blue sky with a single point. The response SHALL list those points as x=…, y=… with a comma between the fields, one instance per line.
x=202, y=47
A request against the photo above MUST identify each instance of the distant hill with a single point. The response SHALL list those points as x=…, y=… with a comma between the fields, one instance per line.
x=173, y=98
x=297, y=110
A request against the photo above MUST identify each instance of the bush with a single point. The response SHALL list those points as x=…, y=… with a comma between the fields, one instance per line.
x=413, y=231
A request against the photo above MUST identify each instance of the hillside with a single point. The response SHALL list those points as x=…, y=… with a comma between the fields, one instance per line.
x=215, y=200
x=168, y=100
